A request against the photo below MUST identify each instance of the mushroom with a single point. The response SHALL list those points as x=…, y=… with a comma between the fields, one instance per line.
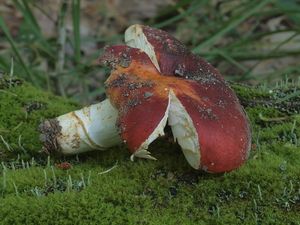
x=156, y=80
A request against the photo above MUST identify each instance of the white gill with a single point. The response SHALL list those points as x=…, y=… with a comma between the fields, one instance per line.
x=135, y=38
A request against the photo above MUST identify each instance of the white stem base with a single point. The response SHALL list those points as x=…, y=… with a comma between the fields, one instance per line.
x=93, y=127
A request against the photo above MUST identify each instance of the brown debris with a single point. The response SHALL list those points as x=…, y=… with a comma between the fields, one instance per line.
x=63, y=165
x=50, y=130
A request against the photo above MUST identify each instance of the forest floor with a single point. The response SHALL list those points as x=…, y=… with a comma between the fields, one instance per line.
x=105, y=187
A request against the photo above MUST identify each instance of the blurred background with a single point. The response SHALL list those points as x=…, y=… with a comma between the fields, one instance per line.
x=54, y=44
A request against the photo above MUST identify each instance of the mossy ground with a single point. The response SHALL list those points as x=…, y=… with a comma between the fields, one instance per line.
x=22, y=109
x=266, y=190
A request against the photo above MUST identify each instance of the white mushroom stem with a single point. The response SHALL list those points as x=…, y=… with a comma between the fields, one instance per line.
x=90, y=128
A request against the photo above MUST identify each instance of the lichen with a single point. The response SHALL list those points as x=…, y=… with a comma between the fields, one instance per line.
x=107, y=188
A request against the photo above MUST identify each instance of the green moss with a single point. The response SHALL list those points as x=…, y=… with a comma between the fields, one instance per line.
x=266, y=190
x=22, y=108
x=249, y=93
x=162, y=192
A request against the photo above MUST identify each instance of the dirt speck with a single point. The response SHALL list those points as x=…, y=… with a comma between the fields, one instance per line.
x=120, y=81
x=124, y=60
x=148, y=94
x=33, y=106
x=207, y=113
x=50, y=130
x=7, y=82
x=134, y=102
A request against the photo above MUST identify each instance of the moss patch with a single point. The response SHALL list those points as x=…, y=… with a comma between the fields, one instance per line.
x=22, y=108
x=266, y=190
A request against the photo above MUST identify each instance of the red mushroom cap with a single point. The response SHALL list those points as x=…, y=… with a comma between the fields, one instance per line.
x=204, y=113
x=133, y=90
